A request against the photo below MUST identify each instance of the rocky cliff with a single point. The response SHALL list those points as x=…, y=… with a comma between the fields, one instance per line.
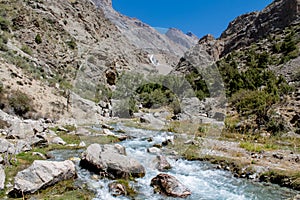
x=254, y=26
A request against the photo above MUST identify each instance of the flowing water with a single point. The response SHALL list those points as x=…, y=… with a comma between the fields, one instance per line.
x=204, y=181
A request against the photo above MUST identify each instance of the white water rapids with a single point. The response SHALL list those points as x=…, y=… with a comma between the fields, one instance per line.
x=203, y=179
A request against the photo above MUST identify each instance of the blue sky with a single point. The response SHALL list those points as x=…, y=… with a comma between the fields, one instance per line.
x=198, y=16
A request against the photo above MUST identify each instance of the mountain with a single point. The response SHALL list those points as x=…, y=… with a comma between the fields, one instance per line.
x=257, y=57
x=145, y=37
x=84, y=45
x=182, y=39
x=254, y=26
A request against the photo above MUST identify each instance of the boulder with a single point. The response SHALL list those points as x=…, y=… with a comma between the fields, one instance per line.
x=58, y=140
x=42, y=174
x=170, y=186
x=1, y=160
x=162, y=163
x=154, y=150
x=108, y=132
x=117, y=189
x=6, y=146
x=38, y=141
x=24, y=129
x=2, y=178
x=106, y=126
x=22, y=146
x=111, y=161
x=82, y=144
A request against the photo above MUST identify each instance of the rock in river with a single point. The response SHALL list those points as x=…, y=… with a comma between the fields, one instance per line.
x=170, y=186
x=42, y=174
x=111, y=161
x=162, y=163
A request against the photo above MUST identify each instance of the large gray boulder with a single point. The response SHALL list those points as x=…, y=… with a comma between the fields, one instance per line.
x=170, y=186
x=111, y=161
x=42, y=174
x=6, y=146
x=2, y=178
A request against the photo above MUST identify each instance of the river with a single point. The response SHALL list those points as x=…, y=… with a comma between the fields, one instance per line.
x=202, y=178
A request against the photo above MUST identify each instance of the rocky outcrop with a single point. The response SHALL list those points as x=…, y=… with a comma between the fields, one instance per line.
x=251, y=27
x=2, y=178
x=111, y=161
x=203, y=54
x=42, y=174
x=170, y=186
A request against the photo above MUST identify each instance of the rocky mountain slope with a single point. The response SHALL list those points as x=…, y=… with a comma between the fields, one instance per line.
x=76, y=46
x=265, y=42
x=254, y=26
x=167, y=49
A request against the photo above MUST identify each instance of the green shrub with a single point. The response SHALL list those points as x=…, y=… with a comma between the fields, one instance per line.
x=72, y=44
x=198, y=84
x=3, y=42
x=20, y=103
x=38, y=39
x=4, y=24
x=26, y=49
x=252, y=102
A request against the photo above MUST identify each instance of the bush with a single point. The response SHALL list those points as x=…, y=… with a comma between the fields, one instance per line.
x=20, y=103
x=252, y=102
x=26, y=49
x=72, y=44
x=198, y=84
x=38, y=39
x=3, y=42
x=4, y=24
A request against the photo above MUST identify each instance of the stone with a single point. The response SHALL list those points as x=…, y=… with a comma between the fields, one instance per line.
x=1, y=159
x=170, y=186
x=42, y=174
x=82, y=144
x=82, y=131
x=42, y=156
x=2, y=178
x=111, y=161
x=162, y=164
x=106, y=126
x=154, y=150
x=117, y=189
x=152, y=121
x=22, y=146
x=108, y=132
x=38, y=141
x=58, y=140
x=6, y=146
